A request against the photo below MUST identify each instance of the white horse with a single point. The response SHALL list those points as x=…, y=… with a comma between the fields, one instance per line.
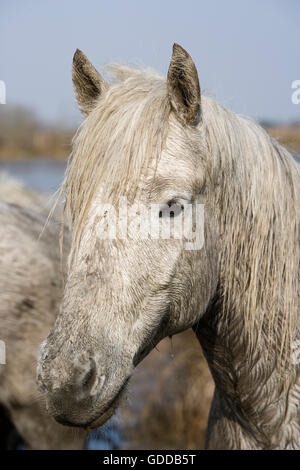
x=157, y=141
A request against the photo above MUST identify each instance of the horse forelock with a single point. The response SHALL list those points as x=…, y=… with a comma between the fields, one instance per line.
x=126, y=130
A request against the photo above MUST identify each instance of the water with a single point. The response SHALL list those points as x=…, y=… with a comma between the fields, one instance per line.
x=40, y=174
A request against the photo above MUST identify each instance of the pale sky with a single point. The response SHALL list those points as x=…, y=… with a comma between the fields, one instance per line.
x=247, y=51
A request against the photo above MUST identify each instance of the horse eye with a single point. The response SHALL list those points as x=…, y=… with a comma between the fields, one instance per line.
x=171, y=209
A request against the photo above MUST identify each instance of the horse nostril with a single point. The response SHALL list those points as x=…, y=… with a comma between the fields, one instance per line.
x=97, y=385
x=90, y=376
x=92, y=382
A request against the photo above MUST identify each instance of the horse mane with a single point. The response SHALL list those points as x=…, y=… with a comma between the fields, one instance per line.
x=254, y=181
x=257, y=188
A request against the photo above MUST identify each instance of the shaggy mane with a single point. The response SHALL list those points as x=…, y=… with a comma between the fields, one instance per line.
x=257, y=190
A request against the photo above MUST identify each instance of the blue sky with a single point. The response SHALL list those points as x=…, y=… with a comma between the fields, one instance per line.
x=247, y=51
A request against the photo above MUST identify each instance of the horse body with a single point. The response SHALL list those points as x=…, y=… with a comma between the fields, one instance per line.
x=31, y=289
x=15, y=192
x=161, y=142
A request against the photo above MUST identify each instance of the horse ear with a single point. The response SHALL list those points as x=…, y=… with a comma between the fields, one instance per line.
x=88, y=83
x=183, y=86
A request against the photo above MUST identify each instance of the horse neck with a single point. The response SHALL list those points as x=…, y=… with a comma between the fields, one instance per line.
x=253, y=404
x=250, y=409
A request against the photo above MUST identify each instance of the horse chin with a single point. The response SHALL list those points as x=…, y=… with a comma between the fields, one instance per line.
x=109, y=411
x=101, y=419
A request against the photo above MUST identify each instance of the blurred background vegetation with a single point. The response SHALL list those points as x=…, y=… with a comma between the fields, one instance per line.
x=23, y=135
